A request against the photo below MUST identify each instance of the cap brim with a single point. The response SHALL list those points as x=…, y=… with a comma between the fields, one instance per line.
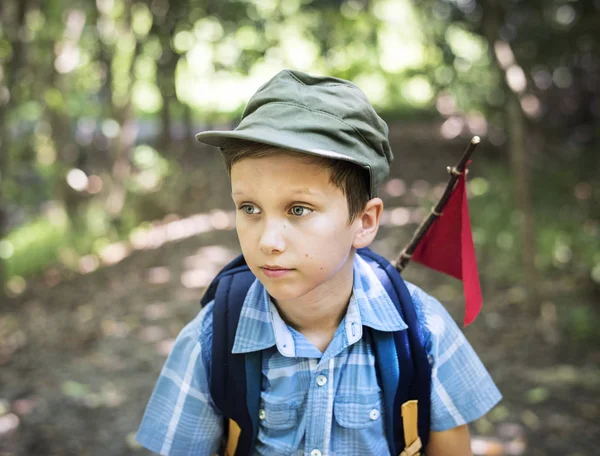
x=284, y=140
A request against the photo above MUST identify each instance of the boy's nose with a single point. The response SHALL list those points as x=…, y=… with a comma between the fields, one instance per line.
x=272, y=240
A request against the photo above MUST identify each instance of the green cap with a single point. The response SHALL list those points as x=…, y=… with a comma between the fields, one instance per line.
x=323, y=116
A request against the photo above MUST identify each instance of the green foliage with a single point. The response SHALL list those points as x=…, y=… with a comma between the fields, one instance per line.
x=581, y=323
x=537, y=395
x=567, y=227
x=34, y=246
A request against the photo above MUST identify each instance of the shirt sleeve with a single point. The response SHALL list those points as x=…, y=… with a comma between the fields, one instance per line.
x=180, y=418
x=461, y=387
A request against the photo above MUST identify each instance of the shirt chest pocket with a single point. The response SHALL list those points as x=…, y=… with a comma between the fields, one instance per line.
x=358, y=411
x=359, y=424
x=278, y=427
x=278, y=416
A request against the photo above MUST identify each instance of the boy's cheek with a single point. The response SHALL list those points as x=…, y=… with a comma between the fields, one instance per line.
x=241, y=227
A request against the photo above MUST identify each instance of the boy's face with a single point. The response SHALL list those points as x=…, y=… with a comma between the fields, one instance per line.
x=292, y=223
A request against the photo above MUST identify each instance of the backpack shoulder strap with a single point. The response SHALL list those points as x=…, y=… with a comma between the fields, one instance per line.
x=238, y=264
x=410, y=378
x=229, y=371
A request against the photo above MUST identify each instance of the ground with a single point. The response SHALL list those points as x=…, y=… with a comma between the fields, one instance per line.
x=79, y=354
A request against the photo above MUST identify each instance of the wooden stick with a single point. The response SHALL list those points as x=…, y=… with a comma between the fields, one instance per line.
x=437, y=211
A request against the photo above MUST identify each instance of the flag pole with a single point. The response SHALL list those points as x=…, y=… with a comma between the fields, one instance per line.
x=437, y=211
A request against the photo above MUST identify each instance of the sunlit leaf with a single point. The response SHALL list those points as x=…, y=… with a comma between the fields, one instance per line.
x=141, y=20
x=537, y=395
x=74, y=389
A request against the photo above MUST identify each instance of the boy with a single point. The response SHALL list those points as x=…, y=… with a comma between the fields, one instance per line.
x=305, y=163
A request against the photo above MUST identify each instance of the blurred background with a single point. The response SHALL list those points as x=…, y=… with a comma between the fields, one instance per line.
x=113, y=220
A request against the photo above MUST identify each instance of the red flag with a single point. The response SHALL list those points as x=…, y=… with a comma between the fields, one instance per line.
x=448, y=247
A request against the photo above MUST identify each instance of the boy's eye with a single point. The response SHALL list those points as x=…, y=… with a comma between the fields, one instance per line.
x=299, y=211
x=249, y=209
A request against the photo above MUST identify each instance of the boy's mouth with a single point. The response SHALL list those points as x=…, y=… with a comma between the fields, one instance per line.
x=273, y=271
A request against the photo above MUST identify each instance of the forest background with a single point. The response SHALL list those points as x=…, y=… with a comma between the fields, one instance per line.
x=113, y=220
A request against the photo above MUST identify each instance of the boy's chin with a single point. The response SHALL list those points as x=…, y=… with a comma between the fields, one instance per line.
x=279, y=293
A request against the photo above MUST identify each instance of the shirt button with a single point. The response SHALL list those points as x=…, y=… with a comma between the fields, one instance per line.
x=430, y=359
x=315, y=452
x=321, y=380
x=374, y=414
x=262, y=414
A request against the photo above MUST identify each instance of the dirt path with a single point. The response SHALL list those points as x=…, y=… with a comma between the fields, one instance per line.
x=79, y=359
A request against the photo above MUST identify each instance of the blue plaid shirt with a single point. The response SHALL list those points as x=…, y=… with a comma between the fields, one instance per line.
x=331, y=401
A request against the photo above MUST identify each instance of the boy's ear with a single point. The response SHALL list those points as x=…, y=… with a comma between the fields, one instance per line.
x=368, y=223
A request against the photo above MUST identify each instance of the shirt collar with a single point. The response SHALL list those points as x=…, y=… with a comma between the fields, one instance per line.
x=377, y=310
x=255, y=328
x=260, y=325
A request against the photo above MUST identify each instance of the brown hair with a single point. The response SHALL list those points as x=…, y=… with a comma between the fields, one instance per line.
x=351, y=178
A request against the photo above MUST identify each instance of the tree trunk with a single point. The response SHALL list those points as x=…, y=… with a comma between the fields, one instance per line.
x=118, y=153
x=12, y=70
x=166, y=84
x=190, y=143
x=4, y=152
x=164, y=28
x=121, y=167
x=516, y=126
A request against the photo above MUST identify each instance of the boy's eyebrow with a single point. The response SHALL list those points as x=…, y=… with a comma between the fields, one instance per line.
x=306, y=191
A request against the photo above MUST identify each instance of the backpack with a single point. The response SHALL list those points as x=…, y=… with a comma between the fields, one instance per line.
x=405, y=382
